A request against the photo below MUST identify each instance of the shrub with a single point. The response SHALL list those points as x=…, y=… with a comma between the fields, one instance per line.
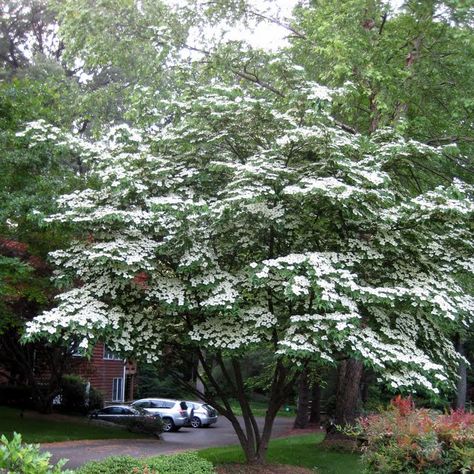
x=404, y=439
x=18, y=458
x=73, y=393
x=112, y=465
x=96, y=399
x=74, y=396
x=185, y=463
x=144, y=424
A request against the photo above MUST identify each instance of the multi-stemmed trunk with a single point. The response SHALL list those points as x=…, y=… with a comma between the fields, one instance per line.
x=253, y=436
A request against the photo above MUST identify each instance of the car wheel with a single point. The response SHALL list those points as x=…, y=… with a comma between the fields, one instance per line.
x=168, y=425
x=195, y=422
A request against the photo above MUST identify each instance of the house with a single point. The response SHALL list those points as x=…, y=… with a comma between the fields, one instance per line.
x=113, y=376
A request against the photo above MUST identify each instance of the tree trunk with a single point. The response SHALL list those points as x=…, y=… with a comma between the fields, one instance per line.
x=367, y=379
x=315, y=415
x=461, y=386
x=302, y=413
x=348, y=391
x=253, y=440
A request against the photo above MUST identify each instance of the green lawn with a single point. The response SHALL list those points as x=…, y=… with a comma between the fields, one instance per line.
x=300, y=450
x=259, y=409
x=36, y=428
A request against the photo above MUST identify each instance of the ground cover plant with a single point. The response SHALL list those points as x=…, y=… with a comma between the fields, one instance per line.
x=183, y=463
x=37, y=428
x=405, y=439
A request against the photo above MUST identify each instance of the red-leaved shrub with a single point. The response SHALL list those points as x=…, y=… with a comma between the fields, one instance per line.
x=406, y=439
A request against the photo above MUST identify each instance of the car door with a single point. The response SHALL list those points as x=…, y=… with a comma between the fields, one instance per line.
x=127, y=414
x=111, y=414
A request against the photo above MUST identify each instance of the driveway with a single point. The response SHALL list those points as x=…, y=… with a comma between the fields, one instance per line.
x=220, y=434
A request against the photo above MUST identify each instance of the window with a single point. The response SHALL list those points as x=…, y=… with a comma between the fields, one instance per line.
x=117, y=385
x=111, y=411
x=111, y=355
x=145, y=404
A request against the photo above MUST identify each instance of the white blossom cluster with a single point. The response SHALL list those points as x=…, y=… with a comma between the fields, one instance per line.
x=250, y=218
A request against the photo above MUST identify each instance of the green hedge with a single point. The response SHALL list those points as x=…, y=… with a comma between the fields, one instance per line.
x=185, y=463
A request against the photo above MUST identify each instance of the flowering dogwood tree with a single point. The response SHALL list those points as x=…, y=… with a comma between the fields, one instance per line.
x=244, y=218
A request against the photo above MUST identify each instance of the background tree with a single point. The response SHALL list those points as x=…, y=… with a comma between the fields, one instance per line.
x=34, y=85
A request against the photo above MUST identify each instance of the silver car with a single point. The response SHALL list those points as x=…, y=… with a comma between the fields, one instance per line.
x=174, y=413
x=204, y=414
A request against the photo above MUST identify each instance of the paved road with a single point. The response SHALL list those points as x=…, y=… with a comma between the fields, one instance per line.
x=220, y=434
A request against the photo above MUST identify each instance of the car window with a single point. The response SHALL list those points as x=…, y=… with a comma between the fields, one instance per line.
x=167, y=404
x=112, y=411
x=144, y=404
x=127, y=411
x=154, y=405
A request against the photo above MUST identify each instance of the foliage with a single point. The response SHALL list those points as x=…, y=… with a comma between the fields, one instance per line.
x=75, y=398
x=406, y=439
x=184, y=463
x=301, y=450
x=73, y=393
x=152, y=382
x=396, y=64
x=96, y=399
x=16, y=458
x=30, y=180
x=143, y=424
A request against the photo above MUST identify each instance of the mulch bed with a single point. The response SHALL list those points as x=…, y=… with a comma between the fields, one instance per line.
x=262, y=469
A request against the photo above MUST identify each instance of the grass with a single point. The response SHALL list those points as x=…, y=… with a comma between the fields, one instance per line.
x=36, y=428
x=260, y=408
x=299, y=450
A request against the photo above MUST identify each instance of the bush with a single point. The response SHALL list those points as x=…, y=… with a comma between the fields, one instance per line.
x=152, y=383
x=96, y=399
x=18, y=458
x=185, y=463
x=73, y=393
x=404, y=439
x=144, y=424
x=74, y=396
